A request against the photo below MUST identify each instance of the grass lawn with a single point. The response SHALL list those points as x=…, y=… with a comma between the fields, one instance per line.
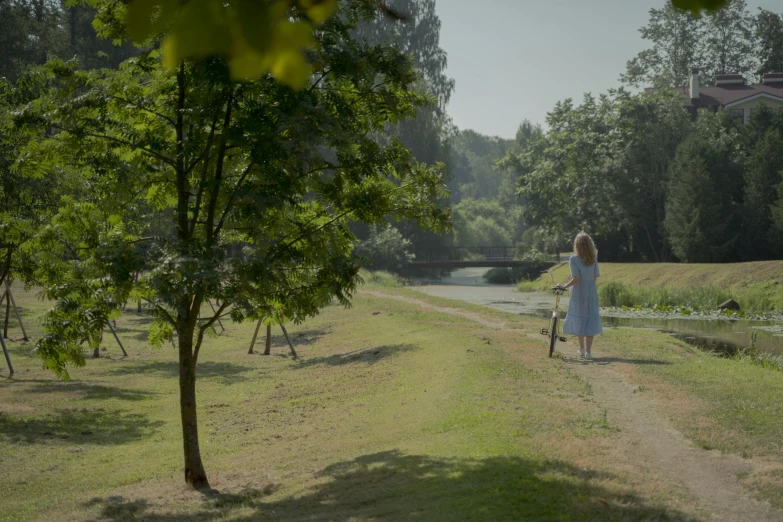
x=756, y=285
x=392, y=412
x=685, y=274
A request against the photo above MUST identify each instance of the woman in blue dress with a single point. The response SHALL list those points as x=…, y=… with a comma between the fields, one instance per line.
x=583, y=319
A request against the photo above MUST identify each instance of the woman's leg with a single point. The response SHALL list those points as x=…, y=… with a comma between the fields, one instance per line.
x=581, y=344
x=589, y=343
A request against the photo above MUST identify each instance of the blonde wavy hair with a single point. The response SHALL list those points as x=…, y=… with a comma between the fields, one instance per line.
x=585, y=248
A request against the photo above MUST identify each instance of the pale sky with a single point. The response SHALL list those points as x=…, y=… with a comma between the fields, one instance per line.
x=513, y=59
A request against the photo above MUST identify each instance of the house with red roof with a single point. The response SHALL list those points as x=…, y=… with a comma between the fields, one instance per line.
x=733, y=94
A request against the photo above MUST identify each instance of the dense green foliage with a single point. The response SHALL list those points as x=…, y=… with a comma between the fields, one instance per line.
x=385, y=250
x=730, y=40
x=428, y=134
x=32, y=31
x=652, y=185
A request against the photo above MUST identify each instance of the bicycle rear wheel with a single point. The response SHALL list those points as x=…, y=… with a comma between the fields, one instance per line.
x=553, y=336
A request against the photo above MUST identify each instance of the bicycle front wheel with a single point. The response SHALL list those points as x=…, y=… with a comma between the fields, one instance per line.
x=553, y=336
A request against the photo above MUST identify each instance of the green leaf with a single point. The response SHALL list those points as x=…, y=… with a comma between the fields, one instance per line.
x=697, y=6
x=319, y=11
x=139, y=18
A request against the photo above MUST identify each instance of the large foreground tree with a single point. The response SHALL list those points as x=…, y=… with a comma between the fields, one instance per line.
x=278, y=172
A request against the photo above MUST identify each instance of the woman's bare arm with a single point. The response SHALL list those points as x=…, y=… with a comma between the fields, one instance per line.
x=571, y=282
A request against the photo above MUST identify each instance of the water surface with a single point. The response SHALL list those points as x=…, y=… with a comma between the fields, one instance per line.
x=721, y=335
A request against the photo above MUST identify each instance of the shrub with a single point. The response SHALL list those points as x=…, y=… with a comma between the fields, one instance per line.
x=381, y=278
x=385, y=250
x=698, y=297
x=501, y=276
x=767, y=296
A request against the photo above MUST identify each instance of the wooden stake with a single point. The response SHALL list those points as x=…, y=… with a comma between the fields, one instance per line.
x=7, y=357
x=255, y=336
x=7, y=314
x=215, y=312
x=118, y=340
x=290, y=344
x=268, y=348
x=16, y=310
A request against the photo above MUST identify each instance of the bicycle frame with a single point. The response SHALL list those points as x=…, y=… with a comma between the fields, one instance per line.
x=552, y=332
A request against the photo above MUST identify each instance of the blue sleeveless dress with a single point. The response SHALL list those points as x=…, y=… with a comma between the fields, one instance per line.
x=583, y=317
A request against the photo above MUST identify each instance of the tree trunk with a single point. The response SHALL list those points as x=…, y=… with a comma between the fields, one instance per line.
x=73, y=28
x=7, y=314
x=268, y=348
x=194, y=468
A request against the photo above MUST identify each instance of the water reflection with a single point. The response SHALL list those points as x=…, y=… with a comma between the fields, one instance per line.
x=720, y=335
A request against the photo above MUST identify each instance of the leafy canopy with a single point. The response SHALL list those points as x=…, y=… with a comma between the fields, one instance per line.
x=255, y=36
x=257, y=182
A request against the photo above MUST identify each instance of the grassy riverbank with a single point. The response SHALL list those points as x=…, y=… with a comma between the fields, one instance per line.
x=393, y=411
x=756, y=286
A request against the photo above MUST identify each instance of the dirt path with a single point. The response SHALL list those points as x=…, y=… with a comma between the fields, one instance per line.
x=649, y=443
x=451, y=311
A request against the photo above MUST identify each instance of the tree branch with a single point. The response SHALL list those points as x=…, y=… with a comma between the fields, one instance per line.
x=204, y=172
x=217, y=180
x=136, y=146
x=183, y=191
x=151, y=238
x=137, y=106
x=219, y=226
x=203, y=328
x=165, y=312
x=338, y=216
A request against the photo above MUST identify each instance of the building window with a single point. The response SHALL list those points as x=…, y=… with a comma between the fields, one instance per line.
x=738, y=114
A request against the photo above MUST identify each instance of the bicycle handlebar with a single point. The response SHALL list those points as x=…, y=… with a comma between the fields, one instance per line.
x=551, y=275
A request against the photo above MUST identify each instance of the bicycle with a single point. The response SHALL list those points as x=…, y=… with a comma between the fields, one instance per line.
x=552, y=331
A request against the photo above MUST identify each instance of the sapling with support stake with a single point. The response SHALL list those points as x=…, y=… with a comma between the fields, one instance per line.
x=283, y=172
x=11, y=302
x=268, y=344
x=7, y=357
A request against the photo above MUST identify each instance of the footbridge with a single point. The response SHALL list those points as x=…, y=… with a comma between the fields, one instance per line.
x=472, y=257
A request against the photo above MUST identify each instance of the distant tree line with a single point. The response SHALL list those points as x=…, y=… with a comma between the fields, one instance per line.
x=32, y=31
x=731, y=40
x=651, y=184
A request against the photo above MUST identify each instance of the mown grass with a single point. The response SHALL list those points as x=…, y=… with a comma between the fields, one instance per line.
x=722, y=403
x=391, y=412
x=756, y=286
x=729, y=404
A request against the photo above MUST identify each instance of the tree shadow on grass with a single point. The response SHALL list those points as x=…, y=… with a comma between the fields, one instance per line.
x=132, y=327
x=89, y=391
x=306, y=337
x=227, y=373
x=95, y=426
x=395, y=486
x=364, y=356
